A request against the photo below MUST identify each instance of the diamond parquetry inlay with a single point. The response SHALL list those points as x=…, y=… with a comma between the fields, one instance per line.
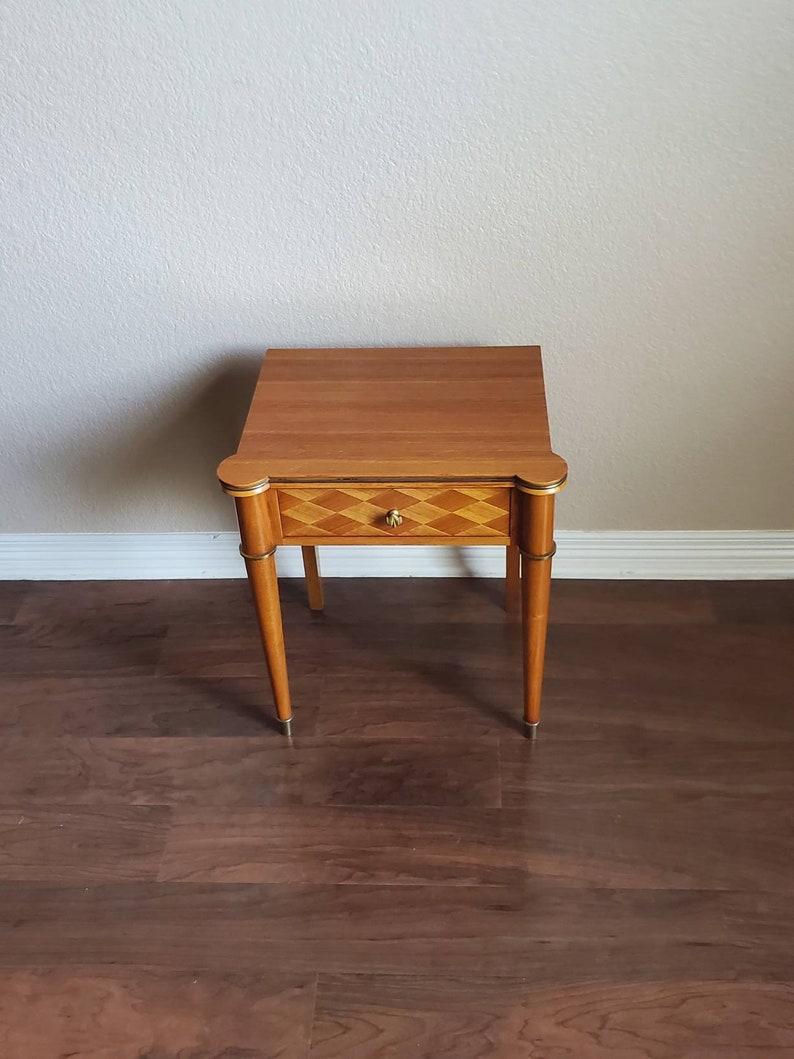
x=456, y=511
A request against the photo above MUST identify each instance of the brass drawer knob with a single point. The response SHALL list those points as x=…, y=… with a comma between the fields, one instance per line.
x=394, y=518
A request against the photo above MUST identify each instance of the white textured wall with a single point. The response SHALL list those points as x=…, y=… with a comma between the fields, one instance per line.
x=185, y=182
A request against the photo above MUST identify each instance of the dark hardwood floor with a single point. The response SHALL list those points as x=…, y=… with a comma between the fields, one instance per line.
x=410, y=877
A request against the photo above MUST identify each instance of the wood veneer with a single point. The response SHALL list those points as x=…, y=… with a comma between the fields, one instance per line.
x=439, y=512
x=451, y=413
x=399, y=446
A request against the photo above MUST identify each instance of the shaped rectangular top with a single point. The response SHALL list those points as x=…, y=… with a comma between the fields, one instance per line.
x=474, y=413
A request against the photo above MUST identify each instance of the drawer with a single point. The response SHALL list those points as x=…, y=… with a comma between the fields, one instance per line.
x=437, y=511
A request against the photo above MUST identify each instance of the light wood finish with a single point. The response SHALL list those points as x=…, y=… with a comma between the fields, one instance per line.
x=398, y=446
x=258, y=535
x=258, y=531
x=513, y=580
x=264, y=586
x=360, y=511
x=537, y=546
x=314, y=584
x=476, y=413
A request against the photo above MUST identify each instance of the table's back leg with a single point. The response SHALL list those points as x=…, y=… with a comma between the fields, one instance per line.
x=513, y=581
x=314, y=584
x=259, y=551
x=537, y=549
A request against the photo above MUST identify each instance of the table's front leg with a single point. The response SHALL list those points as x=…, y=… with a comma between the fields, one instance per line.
x=536, y=540
x=259, y=539
x=513, y=581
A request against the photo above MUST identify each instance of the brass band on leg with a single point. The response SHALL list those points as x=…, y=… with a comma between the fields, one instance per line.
x=538, y=558
x=255, y=558
x=251, y=490
x=543, y=490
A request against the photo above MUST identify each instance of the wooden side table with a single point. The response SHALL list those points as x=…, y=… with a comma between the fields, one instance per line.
x=398, y=446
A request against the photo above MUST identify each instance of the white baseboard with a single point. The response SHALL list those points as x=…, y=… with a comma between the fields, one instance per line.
x=675, y=555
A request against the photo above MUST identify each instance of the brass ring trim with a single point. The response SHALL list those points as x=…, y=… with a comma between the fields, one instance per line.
x=539, y=558
x=543, y=490
x=251, y=490
x=254, y=558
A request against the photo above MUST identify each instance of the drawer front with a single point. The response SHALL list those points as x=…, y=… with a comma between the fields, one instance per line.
x=427, y=511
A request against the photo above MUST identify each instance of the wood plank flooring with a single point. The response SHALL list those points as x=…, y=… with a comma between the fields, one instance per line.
x=409, y=877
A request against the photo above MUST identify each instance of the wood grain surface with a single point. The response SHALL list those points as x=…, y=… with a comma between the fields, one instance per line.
x=462, y=412
x=409, y=877
x=159, y=1014
x=355, y=511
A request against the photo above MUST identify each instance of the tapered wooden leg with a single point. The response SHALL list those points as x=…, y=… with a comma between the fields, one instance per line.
x=259, y=551
x=314, y=584
x=537, y=548
x=264, y=586
x=513, y=581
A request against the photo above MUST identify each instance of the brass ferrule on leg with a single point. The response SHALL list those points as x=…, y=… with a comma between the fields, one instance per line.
x=539, y=558
x=256, y=558
x=531, y=729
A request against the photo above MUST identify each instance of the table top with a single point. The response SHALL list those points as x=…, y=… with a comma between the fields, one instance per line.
x=462, y=413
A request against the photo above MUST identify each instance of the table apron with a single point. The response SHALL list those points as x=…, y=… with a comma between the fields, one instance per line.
x=353, y=513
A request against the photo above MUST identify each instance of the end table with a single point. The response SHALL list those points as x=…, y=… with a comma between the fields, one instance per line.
x=398, y=446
